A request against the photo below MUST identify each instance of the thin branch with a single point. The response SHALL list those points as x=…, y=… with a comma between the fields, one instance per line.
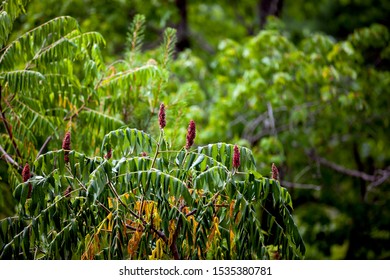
x=85, y=188
x=82, y=107
x=159, y=233
x=48, y=139
x=385, y=176
x=173, y=246
x=75, y=113
x=161, y=138
x=9, y=159
x=130, y=227
x=271, y=118
x=380, y=176
x=341, y=169
x=191, y=213
x=8, y=128
x=300, y=186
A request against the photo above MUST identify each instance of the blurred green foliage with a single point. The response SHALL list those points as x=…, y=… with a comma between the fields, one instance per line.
x=298, y=104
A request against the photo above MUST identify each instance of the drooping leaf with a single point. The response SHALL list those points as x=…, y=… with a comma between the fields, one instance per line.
x=125, y=142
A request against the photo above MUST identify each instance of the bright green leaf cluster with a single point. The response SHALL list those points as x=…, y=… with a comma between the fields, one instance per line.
x=96, y=208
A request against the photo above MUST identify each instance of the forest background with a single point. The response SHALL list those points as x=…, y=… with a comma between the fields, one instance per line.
x=304, y=84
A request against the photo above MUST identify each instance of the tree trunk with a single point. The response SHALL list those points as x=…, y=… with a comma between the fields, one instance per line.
x=269, y=8
x=183, y=41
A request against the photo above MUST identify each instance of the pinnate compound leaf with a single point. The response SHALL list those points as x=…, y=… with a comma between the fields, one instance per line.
x=222, y=153
x=126, y=141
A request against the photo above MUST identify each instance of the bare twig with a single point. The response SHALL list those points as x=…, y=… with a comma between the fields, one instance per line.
x=130, y=227
x=379, y=177
x=9, y=159
x=48, y=139
x=384, y=176
x=341, y=169
x=300, y=186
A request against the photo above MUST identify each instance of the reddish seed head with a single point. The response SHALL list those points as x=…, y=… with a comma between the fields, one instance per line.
x=26, y=174
x=144, y=154
x=191, y=133
x=67, y=191
x=66, y=146
x=236, y=157
x=275, y=172
x=161, y=116
x=109, y=154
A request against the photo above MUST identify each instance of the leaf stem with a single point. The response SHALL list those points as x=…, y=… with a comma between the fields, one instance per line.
x=161, y=137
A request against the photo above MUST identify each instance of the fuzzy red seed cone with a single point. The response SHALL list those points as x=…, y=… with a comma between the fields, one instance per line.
x=67, y=191
x=144, y=154
x=26, y=174
x=275, y=172
x=66, y=146
x=161, y=116
x=191, y=133
x=109, y=154
x=236, y=157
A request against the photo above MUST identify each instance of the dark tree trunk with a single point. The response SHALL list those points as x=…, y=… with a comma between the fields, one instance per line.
x=359, y=238
x=183, y=41
x=360, y=167
x=269, y=8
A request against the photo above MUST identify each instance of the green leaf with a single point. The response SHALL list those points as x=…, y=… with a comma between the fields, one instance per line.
x=125, y=142
x=211, y=180
x=222, y=153
x=29, y=44
x=198, y=161
x=22, y=80
x=5, y=27
x=98, y=182
x=26, y=241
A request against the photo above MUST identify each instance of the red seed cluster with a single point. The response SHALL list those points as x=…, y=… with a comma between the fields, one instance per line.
x=68, y=191
x=275, y=172
x=26, y=174
x=161, y=116
x=109, y=154
x=236, y=157
x=66, y=146
x=191, y=133
x=144, y=154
